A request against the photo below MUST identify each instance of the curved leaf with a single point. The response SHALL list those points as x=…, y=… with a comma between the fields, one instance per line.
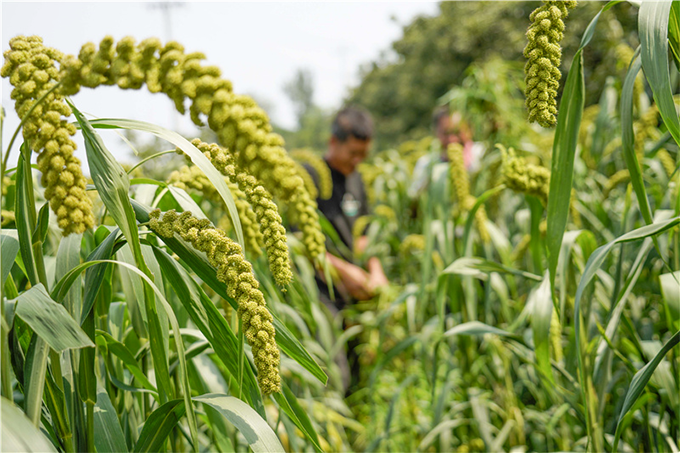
x=475, y=328
x=197, y=157
x=9, y=247
x=479, y=267
x=18, y=433
x=564, y=149
x=258, y=434
x=108, y=435
x=594, y=263
x=159, y=425
x=50, y=321
x=639, y=381
x=653, y=31
x=628, y=140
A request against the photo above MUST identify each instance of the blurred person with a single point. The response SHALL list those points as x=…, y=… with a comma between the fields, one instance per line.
x=348, y=146
x=449, y=127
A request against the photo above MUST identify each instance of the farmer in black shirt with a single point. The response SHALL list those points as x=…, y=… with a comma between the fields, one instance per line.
x=350, y=140
x=351, y=134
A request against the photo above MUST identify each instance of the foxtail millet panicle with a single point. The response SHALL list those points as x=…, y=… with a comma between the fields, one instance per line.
x=236, y=273
x=544, y=56
x=31, y=68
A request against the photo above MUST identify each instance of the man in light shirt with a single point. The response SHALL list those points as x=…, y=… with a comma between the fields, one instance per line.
x=449, y=127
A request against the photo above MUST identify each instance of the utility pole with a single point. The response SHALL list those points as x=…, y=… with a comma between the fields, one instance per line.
x=166, y=11
x=165, y=8
x=342, y=54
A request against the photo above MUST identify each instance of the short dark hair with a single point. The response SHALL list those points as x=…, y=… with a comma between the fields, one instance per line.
x=439, y=113
x=354, y=122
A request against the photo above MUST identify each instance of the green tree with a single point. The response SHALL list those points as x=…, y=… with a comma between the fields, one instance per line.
x=313, y=122
x=300, y=91
x=431, y=57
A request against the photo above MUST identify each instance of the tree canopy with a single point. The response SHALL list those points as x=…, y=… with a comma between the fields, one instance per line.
x=401, y=89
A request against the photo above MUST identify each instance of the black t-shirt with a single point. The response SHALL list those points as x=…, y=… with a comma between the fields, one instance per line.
x=347, y=203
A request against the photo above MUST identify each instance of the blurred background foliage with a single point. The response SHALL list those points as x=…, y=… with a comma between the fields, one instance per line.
x=435, y=54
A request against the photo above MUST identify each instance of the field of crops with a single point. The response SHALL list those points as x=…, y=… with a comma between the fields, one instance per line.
x=533, y=303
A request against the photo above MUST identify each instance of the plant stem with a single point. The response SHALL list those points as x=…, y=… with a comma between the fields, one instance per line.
x=90, y=426
x=6, y=365
x=38, y=352
x=148, y=158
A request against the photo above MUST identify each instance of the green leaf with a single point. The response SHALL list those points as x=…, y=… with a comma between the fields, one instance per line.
x=43, y=224
x=111, y=181
x=123, y=353
x=674, y=33
x=173, y=321
x=211, y=323
x=133, y=289
x=603, y=351
x=670, y=289
x=639, y=382
x=541, y=315
x=594, y=263
x=9, y=247
x=23, y=218
x=292, y=347
x=628, y=140
x=159, y=425
x=86, y=377
x=564, y=149
x=94, y=277
x=50, y=320
x=18, y=433
x=68, y=257
x=479, y=267
x=108, y=435
x=653, y=31
x=202, y=162
x=291, y=406
x=179, y=346
x=258, y=434
x=562, y=165
x=475, y=328
x=597, y=258
x=35, y=369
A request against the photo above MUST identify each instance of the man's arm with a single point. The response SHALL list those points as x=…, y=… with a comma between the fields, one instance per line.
x=354, y=279
x=376, y=274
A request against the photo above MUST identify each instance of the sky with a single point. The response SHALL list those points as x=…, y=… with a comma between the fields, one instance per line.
x=259, y=46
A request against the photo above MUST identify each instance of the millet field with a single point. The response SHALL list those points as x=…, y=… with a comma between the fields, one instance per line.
x=171, y=303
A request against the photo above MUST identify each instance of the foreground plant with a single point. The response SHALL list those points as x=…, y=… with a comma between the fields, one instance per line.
x=32, y=70
x=105, y=334
x=519, y=342
x=239, y=123
x=234, y=271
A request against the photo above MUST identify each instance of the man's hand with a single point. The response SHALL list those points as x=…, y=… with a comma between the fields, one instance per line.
x=376, y=278
x=355, y=280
